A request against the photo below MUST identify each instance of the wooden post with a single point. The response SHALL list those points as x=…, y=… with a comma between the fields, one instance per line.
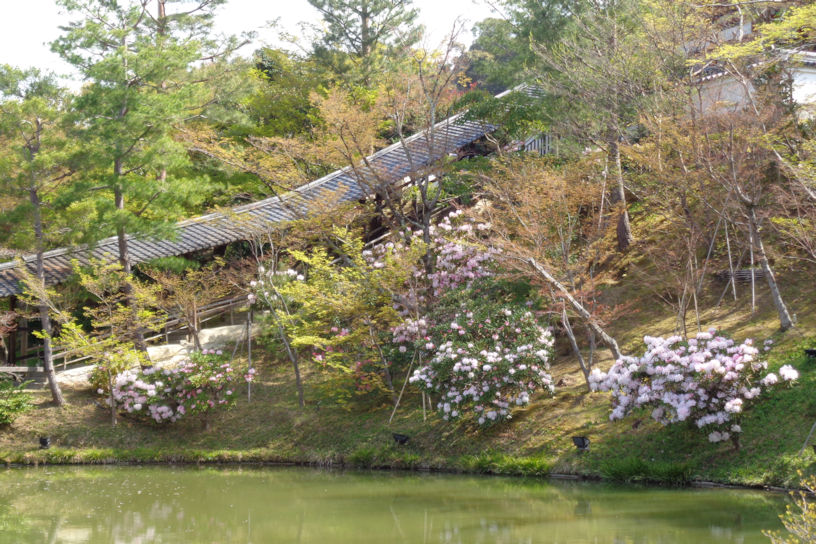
x=730, y=263
x=12, y=344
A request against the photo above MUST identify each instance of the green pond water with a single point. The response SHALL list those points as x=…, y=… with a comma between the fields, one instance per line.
x=144, y=505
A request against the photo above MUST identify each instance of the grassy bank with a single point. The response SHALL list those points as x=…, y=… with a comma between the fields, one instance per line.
x=537, y=441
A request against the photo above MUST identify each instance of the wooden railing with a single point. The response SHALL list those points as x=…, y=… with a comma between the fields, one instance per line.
x=174, y=325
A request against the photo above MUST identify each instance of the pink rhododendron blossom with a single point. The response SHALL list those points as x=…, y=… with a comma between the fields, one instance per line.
x=166, y=395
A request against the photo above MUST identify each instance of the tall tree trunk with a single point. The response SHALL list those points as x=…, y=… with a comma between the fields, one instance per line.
x=293, y=357
x=119, y=201
x=121, y=233
x=45, y=316
x=124, y=255
x=785, y=321
x=161, y=31
x=568, y=328
x=623, y=229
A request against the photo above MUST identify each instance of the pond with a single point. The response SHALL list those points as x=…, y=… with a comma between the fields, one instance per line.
x=143, y=505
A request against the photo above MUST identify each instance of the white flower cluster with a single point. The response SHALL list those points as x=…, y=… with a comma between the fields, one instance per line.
x=708, y=379
x=488, y=381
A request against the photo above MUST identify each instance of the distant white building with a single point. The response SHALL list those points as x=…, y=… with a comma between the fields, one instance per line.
x=720, y=90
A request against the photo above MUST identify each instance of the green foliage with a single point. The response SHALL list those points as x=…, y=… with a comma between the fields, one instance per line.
x=340, y=312
x=35, y=162
x=360, y=33
x=13, y=401
x=135, y=95
x=799, y=518
x=517, y=114
x=502, y=53
x=176, y=265
x=794, y=27
x=122, y=306
x=184, y=293
x=281, y=104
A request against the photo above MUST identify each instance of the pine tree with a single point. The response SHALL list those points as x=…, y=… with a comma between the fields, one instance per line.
x=34, y=156
x=364, y=29
x=136, y=60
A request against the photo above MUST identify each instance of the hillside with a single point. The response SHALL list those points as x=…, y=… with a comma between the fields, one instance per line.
x=536, y=441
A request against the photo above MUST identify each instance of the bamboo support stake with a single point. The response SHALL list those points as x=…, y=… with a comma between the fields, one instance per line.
x=807, y=439
x=249, y=351
x=753, y=273
x=424, y=414
x=396, y=404
x=730, y=263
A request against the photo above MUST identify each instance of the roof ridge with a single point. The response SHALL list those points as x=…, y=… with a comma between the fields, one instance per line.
x=8, y=283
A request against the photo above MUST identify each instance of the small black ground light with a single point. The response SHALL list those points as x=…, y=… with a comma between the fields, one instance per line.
x=45, y=442
x=581, y=442
x=810, y=353
x=401, y=439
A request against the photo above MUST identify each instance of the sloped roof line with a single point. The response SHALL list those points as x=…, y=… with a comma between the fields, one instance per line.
x=187, y=241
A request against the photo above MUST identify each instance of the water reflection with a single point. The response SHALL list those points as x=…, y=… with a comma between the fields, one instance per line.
x=168, y=505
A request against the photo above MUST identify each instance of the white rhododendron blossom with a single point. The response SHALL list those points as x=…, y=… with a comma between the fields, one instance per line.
x=472, y=374
x=709, y=380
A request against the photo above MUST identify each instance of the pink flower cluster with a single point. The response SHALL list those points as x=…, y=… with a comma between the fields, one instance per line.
x=456, y=264
x=204, y=382
x=149, y=392
x=708, y=380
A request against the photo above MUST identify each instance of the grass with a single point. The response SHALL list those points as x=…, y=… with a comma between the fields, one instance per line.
x=634, y=469
x=538, y=441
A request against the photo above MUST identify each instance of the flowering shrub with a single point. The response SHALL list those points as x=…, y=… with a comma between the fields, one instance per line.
x=204, y=383
x=458, y=263
x=208, y=382
x=708, y=380
x=150, y=392
x=487, y=355
x=372, y=312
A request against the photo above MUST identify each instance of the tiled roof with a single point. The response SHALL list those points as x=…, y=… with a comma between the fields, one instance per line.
x=391, y=165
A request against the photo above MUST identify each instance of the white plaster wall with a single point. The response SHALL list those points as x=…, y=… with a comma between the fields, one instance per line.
x=723, y=93
x=804, y=85
x=726, y=93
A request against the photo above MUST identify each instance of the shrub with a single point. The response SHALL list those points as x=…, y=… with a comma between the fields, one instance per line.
x=799, y=518
x=203, y=384
x=707, y=380
x=13, y=401
x=364, y=457
x=487, y=355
